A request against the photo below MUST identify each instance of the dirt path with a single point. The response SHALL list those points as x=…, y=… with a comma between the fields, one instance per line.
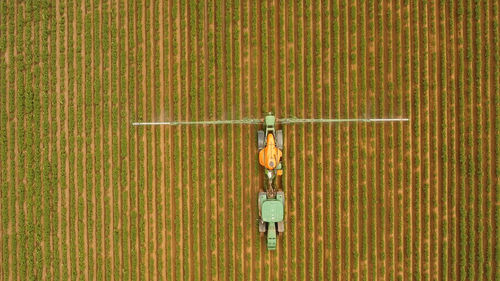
x=85, y=144
x=449, y=43
x=396, y=133
x=128, y=205
x=58, y=141
x=8, y=133
x=153, y=213
x=103, y=55
x=163, y=151
x=240, y=174
x=439, y=132
x=16, y=149
x=484, y=150
x=171, y=143
x=93, y=242
x=493, y=119
x=458, y=45
x=138, y=248
x=206, y=219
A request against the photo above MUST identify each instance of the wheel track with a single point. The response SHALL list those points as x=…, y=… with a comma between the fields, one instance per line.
x=12, y=228
x=425, y=155
x=231, y=272
x=396, y=133
x=449, y=42
x=467, y=143
x=348, y=136
x=295, y=97
x=458, y=87
x=101, y=143
x=438, y=274
x=16, y=147
x=126, y=24
x=312, y=149
x=476, y=136
x=243, y=113
x=84, y=148
x=483, y=210
x=58, y=143
x=93, y=147
x=206, y=164
x=371, y=255
x=197, y=267
x=136, y=137
x=152, y=215
x=493, y=88
x=251, y=103
x=163, y=150
x=224, y=144
x=145, y=145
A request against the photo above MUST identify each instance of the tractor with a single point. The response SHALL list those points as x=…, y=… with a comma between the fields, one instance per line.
x=271, y=203
x=271, y=212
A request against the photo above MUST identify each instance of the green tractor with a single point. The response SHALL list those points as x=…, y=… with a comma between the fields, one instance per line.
x=271, y=212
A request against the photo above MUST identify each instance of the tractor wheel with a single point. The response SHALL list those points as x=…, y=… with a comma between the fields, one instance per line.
x=261, y=139
x=262, y=226
x=281, y=226
x=279, y=139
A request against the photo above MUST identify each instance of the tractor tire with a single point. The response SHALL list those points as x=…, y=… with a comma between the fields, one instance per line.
x=281, y=226
x=262, y=226
x=261, y=139
x=279, y=139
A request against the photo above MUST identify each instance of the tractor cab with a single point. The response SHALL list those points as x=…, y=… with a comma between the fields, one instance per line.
x=271, y=211
x=269, y=122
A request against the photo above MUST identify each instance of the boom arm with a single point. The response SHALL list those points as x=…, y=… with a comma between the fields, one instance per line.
x=297, y=120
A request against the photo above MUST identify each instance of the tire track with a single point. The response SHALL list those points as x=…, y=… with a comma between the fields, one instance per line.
x=438, y=273
x=205, y=143
x=243, y=112
x=145, y=144
x=475, y=135
x=197, y=267
x=126, y=24
x=371, y=213
x=493, y=119
x=483, y=211
x=396, y=155
x=294, y=213
x=58, y=142
x=458, y=44
x=449, y=42
x=231, y=273
x=152, y=215
x=414, y=118
x=93, y=241
x=11, y=228
x=102, y=54
x=136, y=137
x=16, y=146
x=163, y=151
x=223, y=212
x=426, y=214
x=84, y=151
x=467, y=143
x=309, y=196
x=348, y=135
x=301, y=180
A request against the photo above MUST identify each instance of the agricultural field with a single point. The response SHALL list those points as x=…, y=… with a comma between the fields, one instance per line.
x=86, y=196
